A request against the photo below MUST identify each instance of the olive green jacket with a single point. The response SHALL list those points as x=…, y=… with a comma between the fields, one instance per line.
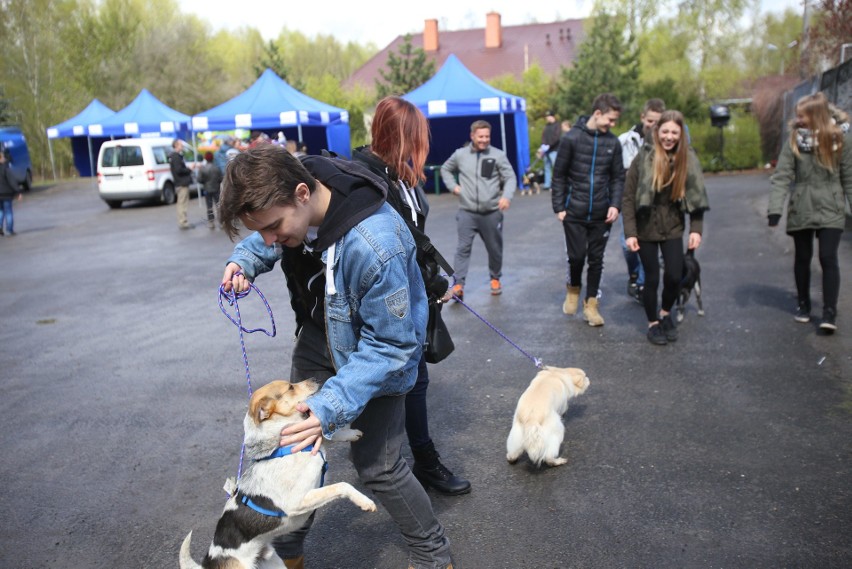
x=818, y=196
x=652, y=216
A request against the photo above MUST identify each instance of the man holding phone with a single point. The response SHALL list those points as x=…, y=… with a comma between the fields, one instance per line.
x=485, y=182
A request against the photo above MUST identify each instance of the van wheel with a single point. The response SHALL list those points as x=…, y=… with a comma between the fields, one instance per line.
x=28, y=182
x=113, y=204
x=169, y=197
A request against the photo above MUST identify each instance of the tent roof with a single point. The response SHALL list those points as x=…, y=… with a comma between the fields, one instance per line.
x=455, y=91
x=77, y=125
x=269, y=103
x=145, y=115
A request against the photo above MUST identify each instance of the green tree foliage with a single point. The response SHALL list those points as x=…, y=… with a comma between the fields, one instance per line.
x=538, y=89
x=608, y=61
x=274, y=60
x=687, y=102
x=7, y=115
x=405, y=70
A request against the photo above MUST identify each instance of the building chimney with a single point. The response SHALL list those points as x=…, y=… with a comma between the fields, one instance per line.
x=493, y=32
x=430, y=36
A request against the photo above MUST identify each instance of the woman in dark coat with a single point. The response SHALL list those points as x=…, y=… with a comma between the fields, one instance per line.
x=816, y=165
x=8, y=189
x=664, y=184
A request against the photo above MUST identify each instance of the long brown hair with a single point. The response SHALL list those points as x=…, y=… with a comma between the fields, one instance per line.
x=670, y=168
x=401, y=138
x=828, y=138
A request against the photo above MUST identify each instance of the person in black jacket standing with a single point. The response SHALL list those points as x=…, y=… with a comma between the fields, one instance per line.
x=588, y=181
x=9, y=187
x=182, y=176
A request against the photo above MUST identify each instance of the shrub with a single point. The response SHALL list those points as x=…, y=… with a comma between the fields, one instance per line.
x=741, y=151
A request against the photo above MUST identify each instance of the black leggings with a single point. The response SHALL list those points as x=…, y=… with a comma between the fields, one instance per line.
x=672, y=251
x=829, y=243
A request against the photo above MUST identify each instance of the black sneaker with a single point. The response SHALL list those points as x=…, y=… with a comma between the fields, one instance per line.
x=656, y=335
x=669, y=328
x=803, y=313
x=828, y=323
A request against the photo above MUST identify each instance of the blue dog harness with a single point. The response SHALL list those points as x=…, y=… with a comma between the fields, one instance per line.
x=279, y=453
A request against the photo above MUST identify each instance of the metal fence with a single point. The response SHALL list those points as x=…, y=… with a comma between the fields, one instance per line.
x=836, y=83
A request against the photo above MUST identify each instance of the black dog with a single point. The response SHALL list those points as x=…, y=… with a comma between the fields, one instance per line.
x=691, y=282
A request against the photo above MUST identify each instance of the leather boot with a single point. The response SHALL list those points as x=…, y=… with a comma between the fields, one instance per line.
x=590, y=312
x=572, y=299
x=295, y=563
x=430, y=472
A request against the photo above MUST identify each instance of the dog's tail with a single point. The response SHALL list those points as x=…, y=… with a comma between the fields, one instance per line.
x=186, y=561
x=534, y=443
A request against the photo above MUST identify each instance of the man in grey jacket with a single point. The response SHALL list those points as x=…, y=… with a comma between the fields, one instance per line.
x=485, y=186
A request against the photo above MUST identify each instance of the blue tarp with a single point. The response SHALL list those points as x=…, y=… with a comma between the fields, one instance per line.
x=83, y=147
x=144, y=116
x=271, y=105
x=454, y=97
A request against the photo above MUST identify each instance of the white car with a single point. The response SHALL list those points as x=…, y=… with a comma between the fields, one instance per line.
x=138, y=169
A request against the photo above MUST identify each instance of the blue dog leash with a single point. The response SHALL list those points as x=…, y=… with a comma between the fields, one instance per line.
x=233, y=300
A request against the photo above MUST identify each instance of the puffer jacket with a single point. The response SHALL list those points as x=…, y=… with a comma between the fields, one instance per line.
x=588, y=176
x=653, y=216
x=817, y=196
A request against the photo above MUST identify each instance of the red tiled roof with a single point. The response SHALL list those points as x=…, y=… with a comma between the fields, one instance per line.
x=552, y=46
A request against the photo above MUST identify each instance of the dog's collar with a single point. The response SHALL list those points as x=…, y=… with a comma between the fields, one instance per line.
x=286, y=451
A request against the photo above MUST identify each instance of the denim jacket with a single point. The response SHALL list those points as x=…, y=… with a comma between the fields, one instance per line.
x=375, y=312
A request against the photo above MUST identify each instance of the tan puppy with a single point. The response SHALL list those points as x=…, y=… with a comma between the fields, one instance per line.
x=275, y=494
x=537, y=427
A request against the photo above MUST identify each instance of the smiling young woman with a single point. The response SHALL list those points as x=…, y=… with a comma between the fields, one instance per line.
x=664, y=184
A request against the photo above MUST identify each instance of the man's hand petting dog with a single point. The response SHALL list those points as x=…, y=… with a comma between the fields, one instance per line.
x=304, y=433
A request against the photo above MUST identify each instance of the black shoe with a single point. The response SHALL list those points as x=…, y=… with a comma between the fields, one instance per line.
x=656, y=335
x=803, y=313
x=828, y=322
x=669, y=328
x=431, y=473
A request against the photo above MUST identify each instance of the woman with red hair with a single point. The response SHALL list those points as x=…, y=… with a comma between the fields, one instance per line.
x=400, y=145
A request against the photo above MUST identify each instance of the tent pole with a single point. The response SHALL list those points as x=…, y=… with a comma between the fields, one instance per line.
x=52, y=165
x=503, y=131
x=91, y=161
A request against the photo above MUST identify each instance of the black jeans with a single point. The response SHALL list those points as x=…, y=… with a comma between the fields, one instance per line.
x=649, y=252
x=829, y=243
x=585, y=240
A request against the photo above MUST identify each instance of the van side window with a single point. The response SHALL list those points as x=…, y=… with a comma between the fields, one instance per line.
x=161, y=155
x=131, y=156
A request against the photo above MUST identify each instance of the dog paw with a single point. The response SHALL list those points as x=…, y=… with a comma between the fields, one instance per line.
x=556, y=461
x=367, y=505
x=512, y=459
x=347, y=435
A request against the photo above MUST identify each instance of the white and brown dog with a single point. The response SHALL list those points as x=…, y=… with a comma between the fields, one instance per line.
x=537, y=426
x=278, y=488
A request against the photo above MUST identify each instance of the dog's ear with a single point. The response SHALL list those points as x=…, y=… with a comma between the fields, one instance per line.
x=265, y=408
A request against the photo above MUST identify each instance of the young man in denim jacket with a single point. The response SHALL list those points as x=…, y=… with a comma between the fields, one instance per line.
x=361, y=312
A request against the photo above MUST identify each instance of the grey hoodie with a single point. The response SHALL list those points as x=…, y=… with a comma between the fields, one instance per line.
x=484, y=177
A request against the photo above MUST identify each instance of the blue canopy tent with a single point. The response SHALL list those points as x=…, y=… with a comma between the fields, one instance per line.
x=144, y=116
x=83, y=146
x=454, y=97
x=271, y=105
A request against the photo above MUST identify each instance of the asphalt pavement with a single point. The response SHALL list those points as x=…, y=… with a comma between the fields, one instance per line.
x=123, y=392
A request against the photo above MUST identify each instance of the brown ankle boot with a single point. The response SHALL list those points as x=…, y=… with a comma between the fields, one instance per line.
x=295, y=563
x=590, y=312
x=572, y=299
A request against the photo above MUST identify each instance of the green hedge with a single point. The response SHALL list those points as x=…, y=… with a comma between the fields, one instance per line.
x=741, y=144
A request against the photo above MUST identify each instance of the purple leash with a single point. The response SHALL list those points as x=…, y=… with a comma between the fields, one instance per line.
x=536, y=361
x=233, y=300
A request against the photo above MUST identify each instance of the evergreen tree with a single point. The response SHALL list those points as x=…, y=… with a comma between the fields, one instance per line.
x=273, y=59
x=608, y=62
x=406, y=70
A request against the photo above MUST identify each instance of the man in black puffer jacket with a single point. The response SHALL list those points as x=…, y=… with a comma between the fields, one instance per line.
x=588, y=180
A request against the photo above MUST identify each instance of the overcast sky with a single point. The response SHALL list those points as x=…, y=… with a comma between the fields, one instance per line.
x=380, y=23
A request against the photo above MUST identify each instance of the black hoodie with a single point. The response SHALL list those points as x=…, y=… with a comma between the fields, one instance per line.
x=356, y=193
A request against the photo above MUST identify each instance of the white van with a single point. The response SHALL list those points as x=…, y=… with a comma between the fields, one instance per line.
x=138, y=169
